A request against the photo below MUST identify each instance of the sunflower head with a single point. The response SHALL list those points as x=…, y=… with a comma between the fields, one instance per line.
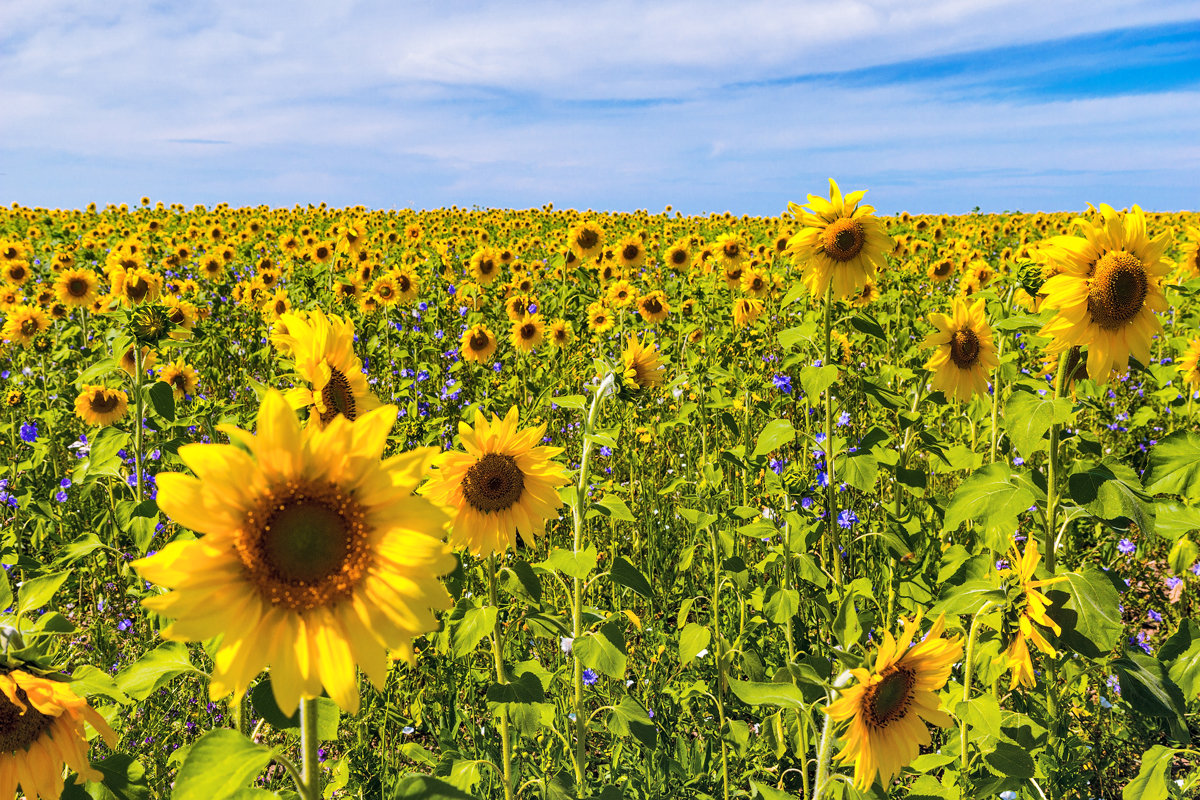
x=643, y=367
x=842, y=244
x=503, y=487
x=477, y=344
x=99, y=405
x=315, y=555
x=964, y=352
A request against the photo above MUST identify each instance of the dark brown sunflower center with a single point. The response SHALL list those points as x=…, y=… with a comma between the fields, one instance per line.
x=888, y=700
x=137, y=289
x=1118, y=289
x=405, y=284
x=305, y=546
x=280, y=307
x=16, y=272
x=587, y=239
x=630, y=251
x=486, y=266
x=652, y=305
x=528, y=330
x=678, y=257
x=322, y=252
x=756, y=285
x=844, y=239
x=77, y=287
x=942, y=269
x=29, y=327
x=338, y=397
x=964, y=348
x=176, y=315
x=732, y=250
x=104, y=402
x=19, y=730
x=479, y=341
x=493, y=483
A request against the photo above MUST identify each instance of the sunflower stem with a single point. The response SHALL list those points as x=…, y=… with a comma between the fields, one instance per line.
x=311, y=790
x=139, y=412
x=968, y=664
x=721, y=679
x=824, y=754
x=1052, y=479
x=577, y=511
x=831, y=485
x=501, y=678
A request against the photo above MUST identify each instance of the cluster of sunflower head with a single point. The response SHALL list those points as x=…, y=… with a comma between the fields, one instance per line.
x=319, y=554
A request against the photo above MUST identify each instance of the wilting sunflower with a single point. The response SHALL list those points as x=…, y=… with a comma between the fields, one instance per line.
x=77, y=287
x=1189, y=365
x=316, y=556
x=477, y=344
x=527, y=333
x=561, y=333
x=965, y=350
x=888, y=707
x=643, y=367
x=586, y=239
x=1108, y=290
x=505, y=485
x=322, y=347
x=654, y=307
x=746, y=310
x=182, y=379
x=99, y=405
x=42, y=722
x=841, y=243
x=24, y=323
x=1031, y=607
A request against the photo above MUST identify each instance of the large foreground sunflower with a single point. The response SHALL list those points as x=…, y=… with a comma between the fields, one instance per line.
x=41, y=731
x=323, y=348
x=1107, y=290
x=505, y=485
x=965, y=350
x=888, y=707
x=315, y=556
x=841, y=242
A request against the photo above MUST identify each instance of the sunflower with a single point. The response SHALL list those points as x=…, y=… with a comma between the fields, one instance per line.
x=182, y=379
x=888, y=706
x=643, y=368
x=477, y=344
x=586, y=239
x=1189, y=264
x=868, y=294
x=42, y=721
x=322, y=252
x=24, y=323
x=654, y=307
x=136, y=286
x=504, y=486
x=15, y=272
x=1032, y=605
x=841, y=243
x=756, y=282
x=277, y=305
x=1189, y=365
x=527, y=333
x=630, y=252
x=600, y=319
x=99, y=405
x=408, y=285
x=485, y=265
x=385, y=291
x=677, y=256
x=731, y=249
x=561, y=333
x=965, y=350
x=746, y=310
x=322, y=347
x=517, y=306
x=316, y=556
x=940, y=270
x=1108, y=290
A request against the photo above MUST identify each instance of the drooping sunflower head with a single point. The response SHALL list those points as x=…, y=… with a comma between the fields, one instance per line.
x=643, y=366
x=323, y=349
x=315, y=556
x=841, y=244
x=503, y=487
x=477, y=344
x=41, y=732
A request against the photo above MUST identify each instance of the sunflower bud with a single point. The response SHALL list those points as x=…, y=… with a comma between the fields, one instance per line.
x=150, y=324
x=1031, y=277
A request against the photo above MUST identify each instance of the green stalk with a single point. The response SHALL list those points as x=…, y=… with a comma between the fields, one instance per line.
x=824, y=754
x=1053, y=728
x=721, y=678
x=139, y=413
x=831, y=489
x=968, y=665
x=501, y=678
x=311, y=790
x=577, y=512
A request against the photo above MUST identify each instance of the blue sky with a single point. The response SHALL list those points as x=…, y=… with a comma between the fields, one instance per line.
x=708, y=106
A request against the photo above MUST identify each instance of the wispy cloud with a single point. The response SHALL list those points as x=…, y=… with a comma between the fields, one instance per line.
x=709, y=106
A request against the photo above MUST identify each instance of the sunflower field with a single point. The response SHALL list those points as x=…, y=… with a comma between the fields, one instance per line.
x=474, y=503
